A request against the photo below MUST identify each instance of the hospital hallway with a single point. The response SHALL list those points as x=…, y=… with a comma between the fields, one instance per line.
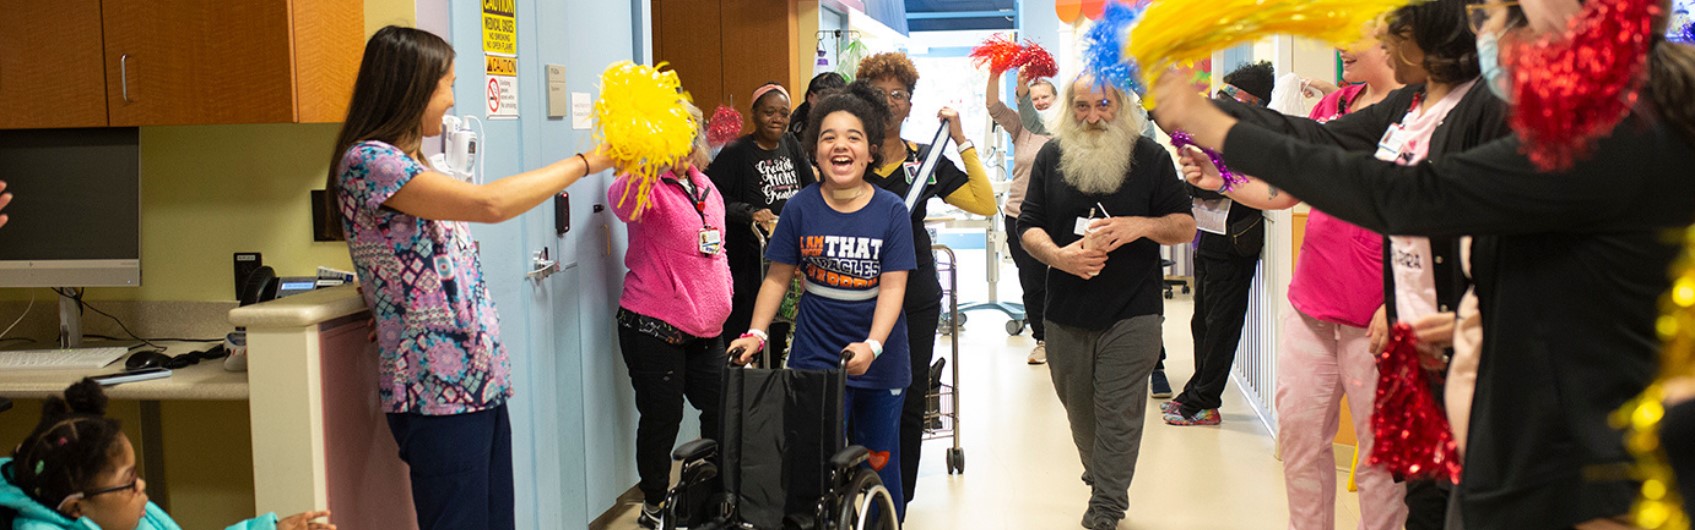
x=1022, y=470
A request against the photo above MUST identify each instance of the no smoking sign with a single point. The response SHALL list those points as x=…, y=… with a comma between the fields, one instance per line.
x=502, y=97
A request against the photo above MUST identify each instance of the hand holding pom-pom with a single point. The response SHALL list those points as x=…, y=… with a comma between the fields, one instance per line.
x=643, y=123
x=999, y=52
x=1034, y=62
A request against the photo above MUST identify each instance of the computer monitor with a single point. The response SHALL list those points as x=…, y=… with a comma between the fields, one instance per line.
x=75, y=212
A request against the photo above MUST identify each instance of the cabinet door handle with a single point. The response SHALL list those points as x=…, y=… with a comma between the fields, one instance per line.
x=123, y=76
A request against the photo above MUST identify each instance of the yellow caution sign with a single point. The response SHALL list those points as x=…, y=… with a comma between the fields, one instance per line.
x=497, y=65
x=500, y=27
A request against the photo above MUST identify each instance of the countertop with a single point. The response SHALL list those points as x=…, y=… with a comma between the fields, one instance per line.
x=301, y=310
x=206, y=381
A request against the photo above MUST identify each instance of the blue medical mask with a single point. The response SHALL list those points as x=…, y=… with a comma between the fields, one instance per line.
x=1488, y=60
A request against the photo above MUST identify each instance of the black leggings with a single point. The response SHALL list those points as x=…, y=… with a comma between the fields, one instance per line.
x=663, y=374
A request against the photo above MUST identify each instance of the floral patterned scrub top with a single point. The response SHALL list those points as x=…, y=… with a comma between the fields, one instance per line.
x=437, y=330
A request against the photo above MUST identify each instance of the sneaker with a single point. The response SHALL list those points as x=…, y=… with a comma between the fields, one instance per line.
x=1161, y=387
x=650, y=516
x=1204, y=417
x=1039, y=355
x=1169, y=407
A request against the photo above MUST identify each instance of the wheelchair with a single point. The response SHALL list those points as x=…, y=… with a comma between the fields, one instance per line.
x=782, y=463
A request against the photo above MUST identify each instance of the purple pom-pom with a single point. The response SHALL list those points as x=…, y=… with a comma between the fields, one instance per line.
x=1180, y=139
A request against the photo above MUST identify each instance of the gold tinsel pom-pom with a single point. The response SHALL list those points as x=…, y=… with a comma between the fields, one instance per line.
x=643, y=122
x=1659, y=506
x=1176, y=33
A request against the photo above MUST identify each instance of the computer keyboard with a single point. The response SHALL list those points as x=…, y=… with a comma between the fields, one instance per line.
x=61, y=359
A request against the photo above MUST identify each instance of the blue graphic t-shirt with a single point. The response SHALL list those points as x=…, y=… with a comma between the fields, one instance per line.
x=843, y=256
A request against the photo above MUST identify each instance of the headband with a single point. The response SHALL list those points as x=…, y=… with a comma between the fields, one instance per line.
x=766, y=89
x=1241, y=95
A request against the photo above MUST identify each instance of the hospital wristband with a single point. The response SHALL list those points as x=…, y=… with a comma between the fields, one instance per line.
x=876, y=348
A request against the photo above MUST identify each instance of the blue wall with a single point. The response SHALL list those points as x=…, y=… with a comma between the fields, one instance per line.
x=573, y=416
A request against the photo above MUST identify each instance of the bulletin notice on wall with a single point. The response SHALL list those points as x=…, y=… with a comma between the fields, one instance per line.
x=500, y=54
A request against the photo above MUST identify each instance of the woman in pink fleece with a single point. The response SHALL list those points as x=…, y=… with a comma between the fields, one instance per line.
x=670, y=317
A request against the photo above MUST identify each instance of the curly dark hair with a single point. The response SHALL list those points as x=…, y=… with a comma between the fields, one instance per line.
x=1256, y=78
x=889, y=64
x=1441, y=29
x=825, y=82
x=861, y=100
x=72, y=445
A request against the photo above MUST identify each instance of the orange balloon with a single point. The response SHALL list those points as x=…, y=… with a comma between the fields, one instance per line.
x=1093, y=8
x=1068, y=10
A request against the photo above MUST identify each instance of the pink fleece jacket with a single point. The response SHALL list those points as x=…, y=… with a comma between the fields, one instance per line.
x=669, y=278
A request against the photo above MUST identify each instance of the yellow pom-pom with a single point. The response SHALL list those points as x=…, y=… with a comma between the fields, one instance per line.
x=1179, y=32
x=642, y=120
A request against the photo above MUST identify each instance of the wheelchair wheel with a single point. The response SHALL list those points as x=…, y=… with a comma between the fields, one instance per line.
x=1015, y=326
x=865, y=492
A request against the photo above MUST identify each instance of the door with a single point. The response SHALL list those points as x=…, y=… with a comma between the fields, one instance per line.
x=198, y=62
x=50, y=73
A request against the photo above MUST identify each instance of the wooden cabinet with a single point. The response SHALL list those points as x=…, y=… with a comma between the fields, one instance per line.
x=178, y=62
x=724, y=49
x=50, y=65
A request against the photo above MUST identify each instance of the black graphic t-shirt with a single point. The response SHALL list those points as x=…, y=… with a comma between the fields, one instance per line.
x=753, y=179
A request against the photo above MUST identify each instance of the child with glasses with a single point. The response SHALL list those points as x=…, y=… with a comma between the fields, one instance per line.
x=77, y=469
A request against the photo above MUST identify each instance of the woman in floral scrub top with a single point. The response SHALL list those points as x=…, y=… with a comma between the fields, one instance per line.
x=445, y=377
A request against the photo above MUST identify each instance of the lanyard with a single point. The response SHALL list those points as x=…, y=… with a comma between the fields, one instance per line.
x=698, y=197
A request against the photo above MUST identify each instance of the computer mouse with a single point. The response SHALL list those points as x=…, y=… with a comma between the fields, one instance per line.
x=145, y=359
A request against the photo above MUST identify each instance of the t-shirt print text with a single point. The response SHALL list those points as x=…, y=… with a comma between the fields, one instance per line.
x=842, y=262
x=778, y=178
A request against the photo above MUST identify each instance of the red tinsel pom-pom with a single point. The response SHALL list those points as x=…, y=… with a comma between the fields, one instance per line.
x=725, y=125
x=1410, y=431
x=998, y=52
x=1034, y=62
x=1570, y=90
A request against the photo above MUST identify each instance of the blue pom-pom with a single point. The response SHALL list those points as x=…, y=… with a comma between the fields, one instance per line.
x=1687, y=36
x=1103, y=46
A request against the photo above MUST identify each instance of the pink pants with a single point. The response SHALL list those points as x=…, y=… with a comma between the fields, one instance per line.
x=1320, y=362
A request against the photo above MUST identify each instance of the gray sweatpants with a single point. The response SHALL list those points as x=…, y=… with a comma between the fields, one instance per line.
x=1102, y=380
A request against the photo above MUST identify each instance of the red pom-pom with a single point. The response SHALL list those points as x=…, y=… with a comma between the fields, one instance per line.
x=725, y=125
x=1034, y=62
x=1410, y=432
x=1570, y=90
x=998, y=52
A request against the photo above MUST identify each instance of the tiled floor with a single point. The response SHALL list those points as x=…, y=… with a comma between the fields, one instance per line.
x=1022, y=469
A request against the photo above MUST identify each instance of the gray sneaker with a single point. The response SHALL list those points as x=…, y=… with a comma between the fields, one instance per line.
x=1039, y=355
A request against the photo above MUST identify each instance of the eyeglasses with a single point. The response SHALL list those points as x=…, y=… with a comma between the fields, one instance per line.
x=900, y=96
x=1478, y=15
x=132, y=486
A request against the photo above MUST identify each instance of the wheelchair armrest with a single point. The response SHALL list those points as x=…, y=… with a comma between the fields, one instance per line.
x=695, y=450
x=852, y=456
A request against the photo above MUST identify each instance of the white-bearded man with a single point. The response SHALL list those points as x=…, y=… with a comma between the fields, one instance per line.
x=1101, y=178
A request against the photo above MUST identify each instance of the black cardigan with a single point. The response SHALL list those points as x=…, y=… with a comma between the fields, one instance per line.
x=1568, y=268
x=1478, y=118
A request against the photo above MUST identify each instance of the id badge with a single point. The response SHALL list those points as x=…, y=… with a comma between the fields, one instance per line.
x=1082, y=228
x=1393, y=143
x=912, y=174
x=1212, y=216
x=711, y=241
